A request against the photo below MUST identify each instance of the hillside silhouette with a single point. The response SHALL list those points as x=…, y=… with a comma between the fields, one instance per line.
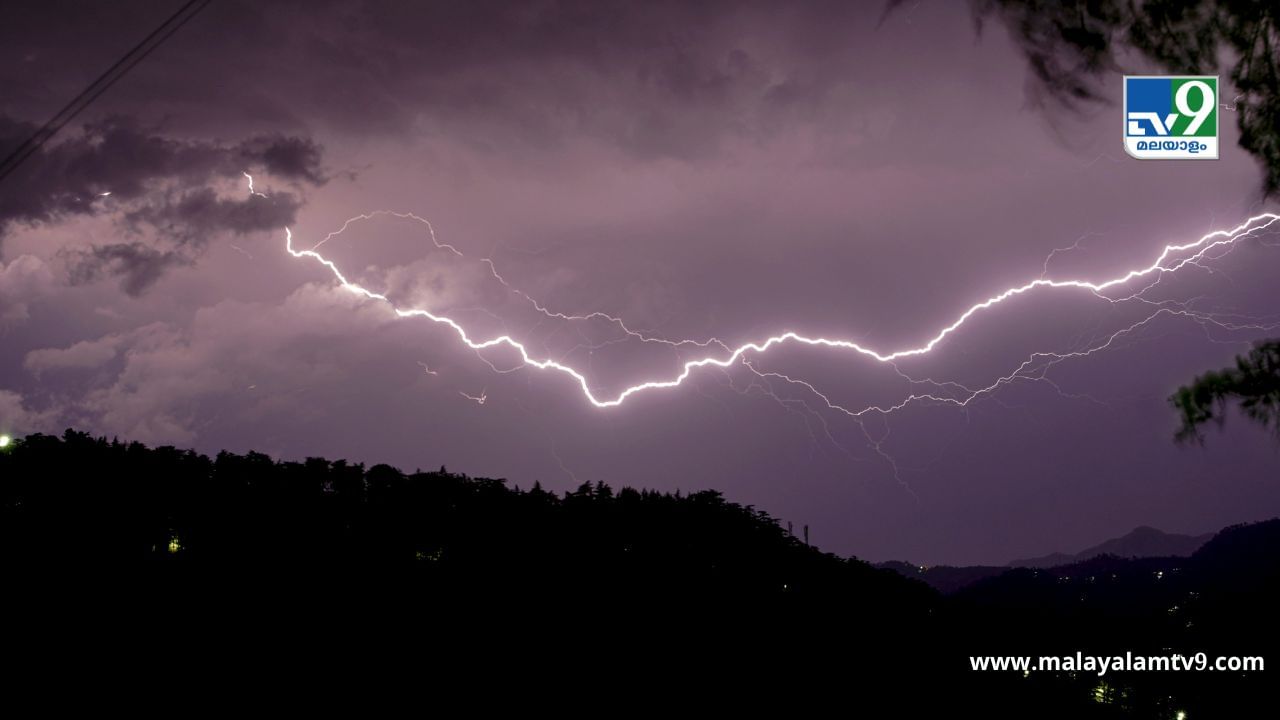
x=1137, y=543
x=945, y=579
x=1141, y=542
x=146, y=545
x=81, y=501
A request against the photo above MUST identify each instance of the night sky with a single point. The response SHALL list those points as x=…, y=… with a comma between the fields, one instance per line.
x=697, y=170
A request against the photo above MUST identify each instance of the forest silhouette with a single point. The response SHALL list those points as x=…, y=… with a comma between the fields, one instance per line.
x=103, y=534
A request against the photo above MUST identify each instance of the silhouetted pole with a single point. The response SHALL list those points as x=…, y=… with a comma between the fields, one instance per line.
x=806, y=534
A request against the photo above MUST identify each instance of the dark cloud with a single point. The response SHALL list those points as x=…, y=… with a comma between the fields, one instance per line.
x=151, y=182
x=136, y=264
x=121, y=157
x=665, y=79
x=193, y=216
x=288, y=157
x=184, y=223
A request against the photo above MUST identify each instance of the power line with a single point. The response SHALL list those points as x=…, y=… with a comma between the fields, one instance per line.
x=99, y=86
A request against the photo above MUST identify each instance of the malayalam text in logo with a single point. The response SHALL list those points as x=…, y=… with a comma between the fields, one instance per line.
x=1171, y=117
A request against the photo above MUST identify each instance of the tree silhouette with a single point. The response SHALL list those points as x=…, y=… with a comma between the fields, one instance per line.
x=104, y=533
x=1254, y=383
x=1071, y=45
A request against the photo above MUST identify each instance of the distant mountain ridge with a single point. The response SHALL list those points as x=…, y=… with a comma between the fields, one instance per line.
x=1141, y=542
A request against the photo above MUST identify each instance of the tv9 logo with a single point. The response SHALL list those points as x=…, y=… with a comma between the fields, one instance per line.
x=1171, y=117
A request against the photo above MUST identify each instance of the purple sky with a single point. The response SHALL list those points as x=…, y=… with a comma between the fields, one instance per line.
x=696, y=170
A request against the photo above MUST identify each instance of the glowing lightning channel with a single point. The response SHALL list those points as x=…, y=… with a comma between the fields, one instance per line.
x=480, y=399
x=251, y=190
x=1206, y=243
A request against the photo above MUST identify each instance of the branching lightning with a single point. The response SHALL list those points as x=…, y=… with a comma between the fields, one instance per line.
x=1170, y=260
x=1132, y=286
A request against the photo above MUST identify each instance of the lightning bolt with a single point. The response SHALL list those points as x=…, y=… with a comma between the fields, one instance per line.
x=1170, y=260
x=1131, y=286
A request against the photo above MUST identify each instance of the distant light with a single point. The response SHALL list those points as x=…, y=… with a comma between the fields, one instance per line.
x=5, y=440
x=1181, y=715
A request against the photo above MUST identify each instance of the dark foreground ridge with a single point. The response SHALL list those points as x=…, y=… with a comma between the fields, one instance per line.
x=102, y=537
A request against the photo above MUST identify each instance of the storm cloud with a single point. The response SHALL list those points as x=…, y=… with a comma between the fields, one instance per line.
x=724, y=170
x=153, y=184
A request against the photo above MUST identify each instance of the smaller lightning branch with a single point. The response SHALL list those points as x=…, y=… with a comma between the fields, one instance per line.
x=563, y=467
x=761, y=385
x=251, y=190
x=427, y=369
x=1064, y=250
x=493, y=270
x=477, y=399
x=1234, y=105
x=1103, y=156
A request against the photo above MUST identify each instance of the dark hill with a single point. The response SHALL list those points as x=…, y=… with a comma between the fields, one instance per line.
x=78, y=501
x=202, y=564
x=1140, y=542
x=944, y=578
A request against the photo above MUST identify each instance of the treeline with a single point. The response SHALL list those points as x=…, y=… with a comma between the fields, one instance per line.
x=89, y=502
x=102, y=534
